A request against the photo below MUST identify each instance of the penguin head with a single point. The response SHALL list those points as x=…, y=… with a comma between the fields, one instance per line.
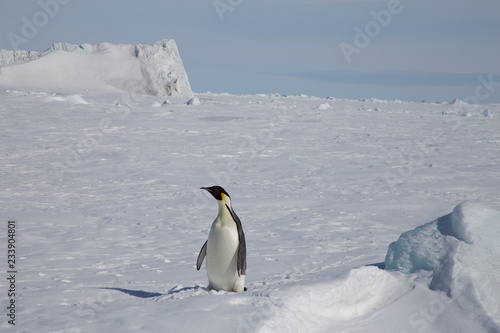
x=217, y=192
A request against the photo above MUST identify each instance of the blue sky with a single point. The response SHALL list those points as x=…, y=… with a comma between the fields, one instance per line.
x=435, y=50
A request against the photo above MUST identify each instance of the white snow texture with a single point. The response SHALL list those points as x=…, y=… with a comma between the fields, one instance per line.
x=104, y=188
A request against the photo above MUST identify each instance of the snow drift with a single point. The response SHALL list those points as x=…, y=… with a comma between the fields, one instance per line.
x=321, y=307
x=462, y=293
x=155, y=69
x=462, y=251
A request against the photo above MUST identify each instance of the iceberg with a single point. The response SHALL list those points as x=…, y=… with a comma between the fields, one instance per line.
x=155, y=69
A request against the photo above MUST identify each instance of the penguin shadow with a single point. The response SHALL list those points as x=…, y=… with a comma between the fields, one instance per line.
x=147, y=294
x=136, y=293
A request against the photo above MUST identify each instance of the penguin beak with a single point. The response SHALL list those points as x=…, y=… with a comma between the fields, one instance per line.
x=206, y=189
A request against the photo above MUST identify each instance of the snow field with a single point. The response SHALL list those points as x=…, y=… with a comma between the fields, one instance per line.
x=104, y=187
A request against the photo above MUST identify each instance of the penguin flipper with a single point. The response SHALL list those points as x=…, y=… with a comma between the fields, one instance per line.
x=201, y=256
x=242, y=254
x=241, y=265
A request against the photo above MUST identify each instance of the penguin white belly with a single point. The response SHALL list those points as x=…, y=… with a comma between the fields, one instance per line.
x=222, y=257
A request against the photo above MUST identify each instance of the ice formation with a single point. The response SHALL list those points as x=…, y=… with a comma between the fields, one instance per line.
x=155, y=69
x=463, y=253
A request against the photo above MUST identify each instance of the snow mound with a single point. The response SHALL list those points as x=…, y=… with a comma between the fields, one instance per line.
x=74, y=99
x=194, y=101
x=476, y=224
x=155, y=69
x=355, y=293
x=456, y=101
x=324, y=106
x=462, y=251
x=487, y=113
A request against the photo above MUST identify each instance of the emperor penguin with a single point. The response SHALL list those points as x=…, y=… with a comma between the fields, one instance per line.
x=225, y=248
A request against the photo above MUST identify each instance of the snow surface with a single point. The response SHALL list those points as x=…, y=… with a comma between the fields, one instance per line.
x=105, y=191
x=155, y=69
